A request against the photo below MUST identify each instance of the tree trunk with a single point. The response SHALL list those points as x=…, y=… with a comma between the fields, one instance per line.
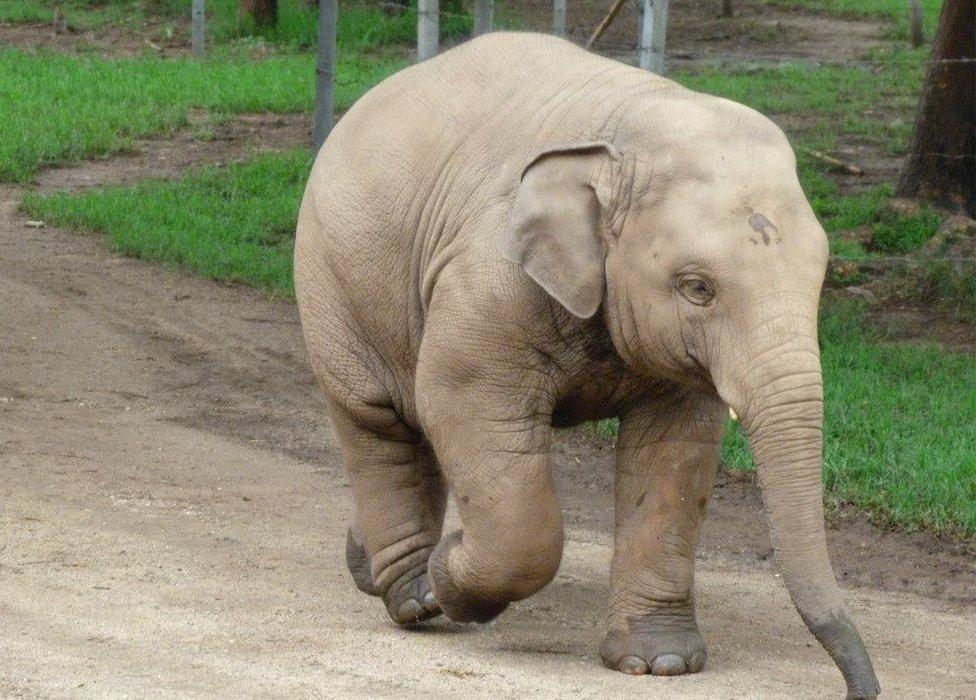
x=942, y=164
x=264, y=13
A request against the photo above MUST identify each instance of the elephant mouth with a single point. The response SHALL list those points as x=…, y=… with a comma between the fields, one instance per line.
x=699, y=376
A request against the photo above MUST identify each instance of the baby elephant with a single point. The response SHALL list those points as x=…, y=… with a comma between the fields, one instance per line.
x=518, y=236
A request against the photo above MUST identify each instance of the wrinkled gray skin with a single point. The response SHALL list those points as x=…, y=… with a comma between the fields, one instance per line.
x=518, y=235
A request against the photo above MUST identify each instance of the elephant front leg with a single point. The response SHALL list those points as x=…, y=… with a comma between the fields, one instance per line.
x=488, y=423
x=667, y=454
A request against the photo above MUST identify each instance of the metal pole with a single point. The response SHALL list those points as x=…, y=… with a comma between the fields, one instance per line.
x=659, y=37
x=559, y=18
x=324, y=73
x=653, y=33
x=198, y=30
x=483, y=10
x=915, y=20
x=428, y=28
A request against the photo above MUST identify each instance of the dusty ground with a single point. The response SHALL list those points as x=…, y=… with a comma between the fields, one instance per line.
x=106, y=41
x=233, y=139
x=174, y=511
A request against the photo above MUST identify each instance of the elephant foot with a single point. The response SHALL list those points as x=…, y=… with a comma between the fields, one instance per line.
x=357, y=561
x=658, y=653
x=409, y=601
x=458, y=604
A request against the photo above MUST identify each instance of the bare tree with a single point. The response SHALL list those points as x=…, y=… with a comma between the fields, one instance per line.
x=726, y=8
x=264, y=13
x=915, y=19
x=942, y=163
x=324, y=73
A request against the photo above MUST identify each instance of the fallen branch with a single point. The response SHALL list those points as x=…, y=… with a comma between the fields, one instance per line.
x=830, y=160
x=611, y=14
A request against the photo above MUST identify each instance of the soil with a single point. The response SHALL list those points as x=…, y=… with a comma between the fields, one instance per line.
x=107, y=41
x=696, y=33
x=175, y=508
x=233, y=139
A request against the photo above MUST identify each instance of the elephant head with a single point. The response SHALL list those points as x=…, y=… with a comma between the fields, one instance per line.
x=692, y=236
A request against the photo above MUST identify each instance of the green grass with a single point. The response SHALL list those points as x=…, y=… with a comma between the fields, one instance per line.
x=360, y=25
x=79, y=14
x=899, y=431
x=905, y=233
x=233, y=224
x=874, y=102
x=893, y=11
x=93, y=106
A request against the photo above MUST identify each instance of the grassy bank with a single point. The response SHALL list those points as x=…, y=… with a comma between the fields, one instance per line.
x=93, y=106
x=894, y=12
x=365, y=24
x=234, y=224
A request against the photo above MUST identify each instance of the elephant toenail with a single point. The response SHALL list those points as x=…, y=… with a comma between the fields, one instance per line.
x=633, y=665
x=668, y=665
x=430, y=602
x=697, y=662
x=410, y=611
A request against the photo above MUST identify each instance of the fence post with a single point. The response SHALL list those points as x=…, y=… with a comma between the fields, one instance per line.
x=482, y=16
x=428, y=28
x=198, y=30
x=915, y=19
x=559, y=18
x=324, y=73
x=653, y=34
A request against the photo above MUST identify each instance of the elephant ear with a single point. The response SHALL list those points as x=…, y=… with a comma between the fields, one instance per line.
x=555, y=232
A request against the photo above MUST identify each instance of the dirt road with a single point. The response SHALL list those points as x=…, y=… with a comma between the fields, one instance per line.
x=172, y=512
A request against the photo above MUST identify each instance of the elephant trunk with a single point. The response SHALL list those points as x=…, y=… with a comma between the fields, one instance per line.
x=779, y=399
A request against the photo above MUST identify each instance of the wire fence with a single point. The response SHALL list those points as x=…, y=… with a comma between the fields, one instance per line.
x=585, y=15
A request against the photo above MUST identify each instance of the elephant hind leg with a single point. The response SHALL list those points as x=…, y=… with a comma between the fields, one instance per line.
x=400, y=500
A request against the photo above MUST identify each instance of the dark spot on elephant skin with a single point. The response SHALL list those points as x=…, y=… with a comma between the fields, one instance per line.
x=763, y=226
x=465, y=499
x=640, y=500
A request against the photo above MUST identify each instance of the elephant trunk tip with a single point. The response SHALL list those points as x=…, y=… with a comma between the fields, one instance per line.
x=840, y=638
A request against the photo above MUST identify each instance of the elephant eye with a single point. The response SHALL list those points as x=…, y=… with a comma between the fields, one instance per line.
x=696, y=289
